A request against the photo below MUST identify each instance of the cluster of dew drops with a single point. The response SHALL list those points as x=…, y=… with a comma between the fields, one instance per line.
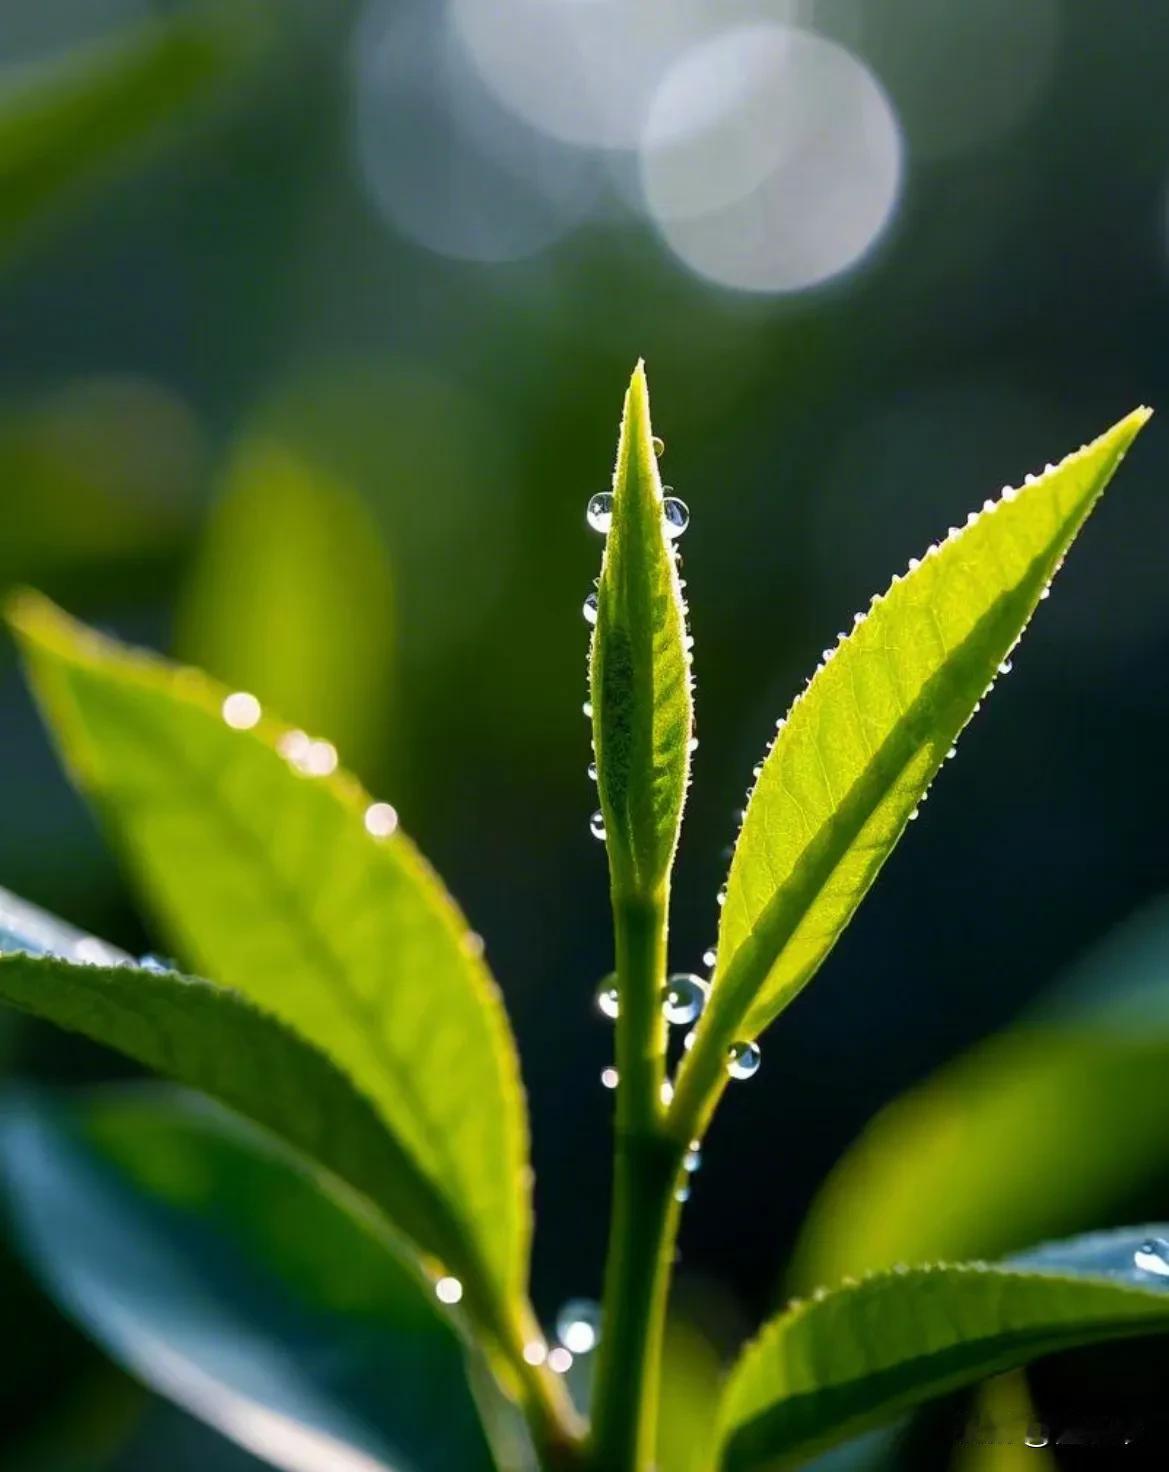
x=684, y=995
x=578, y=1328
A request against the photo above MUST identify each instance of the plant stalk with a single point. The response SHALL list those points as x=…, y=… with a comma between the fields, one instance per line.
x=644, y=1219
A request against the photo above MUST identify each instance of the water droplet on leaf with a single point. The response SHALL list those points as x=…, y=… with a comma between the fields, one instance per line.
x=599, y=511
x=675, y=517
x=683, y=998
x=609, y=1077
x=1152, y=1256
x=743, y=1060
x=589, y=609
x=241, y=711
x=597, y=825
x=578, y=1325
x=381, y=820
x=608, y=999
x=448, y=1290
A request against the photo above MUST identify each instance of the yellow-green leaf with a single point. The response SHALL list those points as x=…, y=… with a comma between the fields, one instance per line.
x=861, y=745
x=272, y=873
x=640, y=668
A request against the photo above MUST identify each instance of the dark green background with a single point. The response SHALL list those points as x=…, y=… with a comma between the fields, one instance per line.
x=238, y=276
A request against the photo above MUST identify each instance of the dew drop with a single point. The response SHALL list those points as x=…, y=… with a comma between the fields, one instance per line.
x=1152, y=1256
x=692, y=1160
x=743, y=1060
x=951, y=754
x=682, y=1191
x=608, y=999
x=721, y=897
x=320, y=759
x=591, y=771
x=152, y=962
x=1006, y=667
x=241, y=711
x=578, y=1325
x=659, y=445
x=710, y=957
x=560, y=1360
x=597, y=825
x=666, y=1093
x=609, y=1077
x=914, y=815
x=683, y=998
x=1035, y=1437
x=89, y=951
x=381, y=820
x=693, y=746
x=587, y=710
x=448, y=1290
x=589, y=609
x=688, y=1042
x=675, y=516
x=535, y=1352
x=599, y=511
x=293, y=745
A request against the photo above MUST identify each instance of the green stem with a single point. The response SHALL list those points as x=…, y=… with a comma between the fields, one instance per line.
x=644, y=1218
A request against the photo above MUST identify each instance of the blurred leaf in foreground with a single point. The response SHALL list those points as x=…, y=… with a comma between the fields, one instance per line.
x=70, y=123
x=212, y=1267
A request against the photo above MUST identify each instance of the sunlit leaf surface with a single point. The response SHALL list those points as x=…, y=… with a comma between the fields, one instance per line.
x=858, y=1355
x=274, y=874
x=861, y=745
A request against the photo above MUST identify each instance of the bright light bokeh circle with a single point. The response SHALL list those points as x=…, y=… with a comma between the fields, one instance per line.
x=440, y=157
x=583, y=71
x=770, y=159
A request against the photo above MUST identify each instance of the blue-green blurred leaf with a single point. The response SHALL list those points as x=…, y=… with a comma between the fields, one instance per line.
x=290, y=596
x=73, y=122
x=214, y=1269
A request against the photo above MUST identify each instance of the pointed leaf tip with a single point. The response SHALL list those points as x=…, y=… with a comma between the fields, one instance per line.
x=639, y=667
x=861, y=745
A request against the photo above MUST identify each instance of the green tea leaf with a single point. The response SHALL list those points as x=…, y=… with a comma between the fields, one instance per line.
x=988, y=1138
x=861, y=745
x=275, y=875
x=65, y=124
x=857, y=1356
x=301, y=618
x=640, y=669
x=211, y=1038
x=214, y=1268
